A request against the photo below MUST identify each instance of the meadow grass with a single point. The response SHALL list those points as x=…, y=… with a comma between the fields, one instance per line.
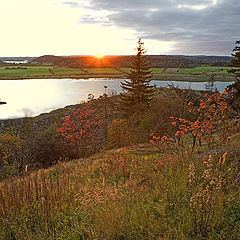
x=101, y=70
x=66, y=71
x=128, y=193
x=186, y=74
x=191, y=78
x=205, y=69
x=30, y=71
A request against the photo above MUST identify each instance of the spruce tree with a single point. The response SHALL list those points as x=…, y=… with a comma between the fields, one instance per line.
x=138, y=92
x=235, y=87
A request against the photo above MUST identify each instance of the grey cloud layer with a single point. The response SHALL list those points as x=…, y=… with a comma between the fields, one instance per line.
x=212, y=30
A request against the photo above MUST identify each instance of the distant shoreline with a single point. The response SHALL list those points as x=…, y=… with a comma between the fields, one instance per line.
x=156, y=77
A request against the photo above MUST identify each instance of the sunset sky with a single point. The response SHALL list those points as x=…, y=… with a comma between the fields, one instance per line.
x=88, y=27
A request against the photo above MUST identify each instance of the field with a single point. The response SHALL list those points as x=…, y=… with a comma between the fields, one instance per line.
x=183, y=74
x=205, y=69
x=131, y=193
x=30, y=71
x=197, y=74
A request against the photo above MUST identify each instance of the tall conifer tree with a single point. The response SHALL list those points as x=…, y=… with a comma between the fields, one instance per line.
x=235, y=87
x=236, y=63
x=138, y=91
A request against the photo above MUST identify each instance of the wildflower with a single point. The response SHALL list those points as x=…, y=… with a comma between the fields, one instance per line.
x=191, y=175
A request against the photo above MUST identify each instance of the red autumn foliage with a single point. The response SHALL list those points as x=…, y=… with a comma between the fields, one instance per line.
x=210, y=117
x=79, y=127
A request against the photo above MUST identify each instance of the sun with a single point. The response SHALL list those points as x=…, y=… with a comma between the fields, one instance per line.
x=98, y=56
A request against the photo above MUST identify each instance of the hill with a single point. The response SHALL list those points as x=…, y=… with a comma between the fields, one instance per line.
x=17, y=58
x=156, y=61
x=221, y=61
x=181, y=186
x=127, y=193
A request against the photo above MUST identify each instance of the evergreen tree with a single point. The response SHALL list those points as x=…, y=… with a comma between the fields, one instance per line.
x=138, y=91
x=235, y=87
x=210, y=85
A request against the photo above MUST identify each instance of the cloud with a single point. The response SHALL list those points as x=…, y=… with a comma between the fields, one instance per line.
x=95, y=20
x=205, y=26
x=71, y=4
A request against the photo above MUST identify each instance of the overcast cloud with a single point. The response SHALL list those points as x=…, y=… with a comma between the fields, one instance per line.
x=197, y=26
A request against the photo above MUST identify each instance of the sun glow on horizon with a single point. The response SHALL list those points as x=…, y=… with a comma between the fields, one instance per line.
x=99, y=56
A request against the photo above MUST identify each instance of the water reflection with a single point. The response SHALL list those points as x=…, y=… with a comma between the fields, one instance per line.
x=33, y=97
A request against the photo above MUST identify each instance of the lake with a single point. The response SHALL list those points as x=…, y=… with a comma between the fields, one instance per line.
x=32, y=97
x=17, y=62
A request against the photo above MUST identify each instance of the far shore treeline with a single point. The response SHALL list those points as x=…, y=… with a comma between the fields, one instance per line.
x=111, y=61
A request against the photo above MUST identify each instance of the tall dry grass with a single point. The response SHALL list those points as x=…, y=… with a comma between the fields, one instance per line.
x=126, y=194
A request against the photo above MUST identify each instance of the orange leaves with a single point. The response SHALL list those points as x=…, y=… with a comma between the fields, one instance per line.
x=209, y=117
x=77, y=126
x=164, y=138
x=179, y=133
x=190, y=104
x=160, y=140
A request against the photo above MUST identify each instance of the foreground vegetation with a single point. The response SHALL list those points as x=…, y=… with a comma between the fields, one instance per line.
x=130, y=193
x=137, y=192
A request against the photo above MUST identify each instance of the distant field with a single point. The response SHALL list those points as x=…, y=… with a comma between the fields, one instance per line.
x=30, y=71
x=182, y=74
x=47, y=71
x=196, y=70
x=192, y=78
x=219, y=70
x=66, y=71
x=101, y=70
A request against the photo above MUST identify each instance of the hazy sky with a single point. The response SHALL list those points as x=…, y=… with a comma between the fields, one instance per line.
x=88, y=27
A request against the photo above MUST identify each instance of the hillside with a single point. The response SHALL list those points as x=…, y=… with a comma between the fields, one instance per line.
x=222, y=61
x=128, y=193
x=149, y=176
x=17, y=58
x=156, y=61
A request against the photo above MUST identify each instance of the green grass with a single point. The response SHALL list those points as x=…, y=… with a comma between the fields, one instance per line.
x=196, y=70
x=101, y=70
x=127, y=70
x=66, y=71
x=198, y=74
x=30, y=71
x=205, y=69
x=154, y=70
x=191, y=78
x=186, y=74
x=35, y=71
x=157, y=70
x=124, y=194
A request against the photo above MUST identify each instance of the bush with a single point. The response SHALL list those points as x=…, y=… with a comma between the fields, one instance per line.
x=118, y=134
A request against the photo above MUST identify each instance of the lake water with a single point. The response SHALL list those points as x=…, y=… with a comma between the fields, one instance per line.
x=17, y=62
x=36, y=96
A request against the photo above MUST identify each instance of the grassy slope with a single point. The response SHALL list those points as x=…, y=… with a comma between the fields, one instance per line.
x=133, y=193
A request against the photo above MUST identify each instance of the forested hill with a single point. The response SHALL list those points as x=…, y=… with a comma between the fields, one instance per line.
x=17, y=58
x=158, y=61
x=209, y=60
